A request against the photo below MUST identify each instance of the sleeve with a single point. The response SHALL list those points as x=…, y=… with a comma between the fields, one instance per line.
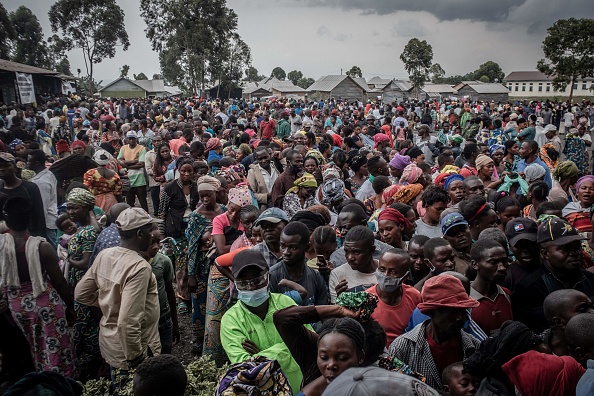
x=87, y=291
x=321, y=290
x=88, y=240
x=121, y=154
x=167, y=269
x=217, y=226
x=142, y=155
x=164, y=200
x=262, y=198
x=148, y=164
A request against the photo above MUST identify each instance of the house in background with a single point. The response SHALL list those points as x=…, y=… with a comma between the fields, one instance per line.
x=479, y=91
x=436, y=91
x=535, y=84
x=128, y=89
x=272, y=86
x=340, y=86
x=396, y=91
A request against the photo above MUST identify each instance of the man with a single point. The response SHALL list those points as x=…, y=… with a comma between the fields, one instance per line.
x=578, y=333
x=131, y=157
x=294, y=242
x=359, y=274
x=267, y=127
x=122, y=285
x=242, y=325
x=12, y=186
x=529, y=154
x=109, y=237
x=521, y=238
x=552, y=138
x=471, y=151
x=400, y=119
x=426, y=143
x=350, y=216
x=456, y=231
x=284, y=127
x=377, y=166
x=435, y=344
x=439, y=257
x=528, y=133
x=435, y=200
x=489, y=260
x=295, y=120
x=48, y=188
x=261, y=177
x=286, y=179
x=561, y=252
x=397, y=301
x=149, y=162
x=473, y=185
x=272, y=221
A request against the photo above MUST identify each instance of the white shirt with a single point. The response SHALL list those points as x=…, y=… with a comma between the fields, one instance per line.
x=356, y=281
x=48, y=187
x=568, y=117
x=269, y=178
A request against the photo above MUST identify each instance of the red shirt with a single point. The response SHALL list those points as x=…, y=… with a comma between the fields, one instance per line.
x=443, y=356
x=267, y=128
x=491, y=314
x=468, y=170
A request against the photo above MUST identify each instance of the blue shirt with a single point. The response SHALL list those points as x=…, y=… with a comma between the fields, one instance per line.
x=585, y=386
x=108, y=238
x=470, y=326
x=522, y=166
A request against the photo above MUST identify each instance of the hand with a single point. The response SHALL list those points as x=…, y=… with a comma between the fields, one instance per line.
x=192, y=284
x=284, y=283
x=176, y=334
x=341, y=287
x=348, y=313
x=250, y=347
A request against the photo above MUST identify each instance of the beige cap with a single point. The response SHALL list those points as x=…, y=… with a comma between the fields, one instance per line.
x=133, y=218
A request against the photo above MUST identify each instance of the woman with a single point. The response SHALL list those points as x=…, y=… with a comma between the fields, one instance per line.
x=578, y=213
x=176, y=202
x=358, y=164
x=454, y=185
x=312, y=165
x=510, y=156
x=478, y=215
x=565, y=176
x=486, y=167
x=416, y=155
x=391, y=225
x=80, y=204
x=497, y=152
x=397, y=165
x=37, y=295
x=103, y=183
x=507, y=208
x=409, y=195
x=411, y=175
x=162, y=161
x=214, y=148
x=549, y=155
x=200, y=224
x=333, y=195
x=537, y=194
x=226, y=228
x=112, y=142
x=301, y=195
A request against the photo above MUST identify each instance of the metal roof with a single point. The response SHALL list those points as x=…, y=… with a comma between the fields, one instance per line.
x=7, y=65
x=404, y=86
x=488, y=88
x=377, y=80
x=362, y=83
x=270, y=83
x=327, y=83
x=527, y=76
x=438, y=88
x=151, y=85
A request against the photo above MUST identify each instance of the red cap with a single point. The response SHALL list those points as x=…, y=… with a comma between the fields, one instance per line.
x=445, y=291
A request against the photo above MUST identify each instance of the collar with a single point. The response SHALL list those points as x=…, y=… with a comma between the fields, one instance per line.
x=477, y=296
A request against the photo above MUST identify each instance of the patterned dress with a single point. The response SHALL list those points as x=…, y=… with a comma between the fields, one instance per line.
x=104, y=190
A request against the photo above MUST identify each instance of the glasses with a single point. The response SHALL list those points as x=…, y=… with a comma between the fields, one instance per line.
x=251, y=283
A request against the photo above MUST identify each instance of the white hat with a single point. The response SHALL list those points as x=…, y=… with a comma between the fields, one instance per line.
x=133, y=218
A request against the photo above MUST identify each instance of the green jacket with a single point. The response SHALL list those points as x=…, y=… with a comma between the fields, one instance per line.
x=283, y=128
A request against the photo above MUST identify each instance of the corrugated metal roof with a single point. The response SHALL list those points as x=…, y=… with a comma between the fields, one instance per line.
x=362, y=83
x=404, y=86
x=327, y=83
x=377, y=80
x=488, y=88
x=7, y=65
x=151, y=85
x=438, y=88
x=527, y=76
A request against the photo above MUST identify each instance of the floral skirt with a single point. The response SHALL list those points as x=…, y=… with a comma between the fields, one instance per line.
x=43, y=322
x=180, y=263
x=216, y=305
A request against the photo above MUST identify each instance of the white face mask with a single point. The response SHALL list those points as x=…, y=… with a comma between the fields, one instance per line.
x=389, y=283
x=254, y=298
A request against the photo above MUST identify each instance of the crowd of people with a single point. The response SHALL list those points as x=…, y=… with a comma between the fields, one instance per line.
x=444, y=248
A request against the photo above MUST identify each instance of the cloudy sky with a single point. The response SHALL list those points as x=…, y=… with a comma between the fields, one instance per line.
x=322, y=37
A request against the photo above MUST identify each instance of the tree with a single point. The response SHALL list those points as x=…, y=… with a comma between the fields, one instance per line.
x=294, y=76
x=96, y=28
x=63, y=67
x=7, y=33
x=29, y=46
x=491, y=70
x=140, y=76
x=279, y=73
x=251, y=75
x=569, y=52
x=124, y=71
x=417, y=58
x=355, y=71
x=305, y=82
x=233, y=56
x=157, y=77
x=436, y=72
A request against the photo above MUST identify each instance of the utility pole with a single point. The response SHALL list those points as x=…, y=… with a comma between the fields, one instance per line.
x=341, y=71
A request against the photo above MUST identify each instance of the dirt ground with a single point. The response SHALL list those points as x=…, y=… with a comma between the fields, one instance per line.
x=183, y=349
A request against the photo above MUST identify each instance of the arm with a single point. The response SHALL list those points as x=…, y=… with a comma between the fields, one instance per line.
x=49, y=264
x=253, y=183
x=218, y=237
x=164, y=200
x=172, y=301
x=294, y=286
x=81, y=264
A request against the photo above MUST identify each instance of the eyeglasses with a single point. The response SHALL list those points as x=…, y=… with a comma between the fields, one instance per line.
x=252, y=283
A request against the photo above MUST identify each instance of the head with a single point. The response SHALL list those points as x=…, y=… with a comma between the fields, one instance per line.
x=66, y=225
x=359, y=245
x=415, y=252
x=36, y=160
x=507, y=208
x=562, y=305
x=79, y=204
x=115, y=211
x=341, y=345
x=294, y=161
x=16, y=212
x=435, y=201
x=393, y=268
x=272, y=222
x=549, y=208
x=471, y=151
x=528, y=149
x=473, y=185
x=456, y=231
x=454, y=185
x=184, y=166
x=579, y=337
x=135, y=227
x=560, y=246
x=378, y=166
x=489, y=260
x=350, y=216
x=251, y=277
x=457, y=383
x=478, y=214
x=159, y=376
x=439, y=255
x=410, y=215
x=155, y=244
x=511, y=148
x=585, y=190
x=248, y=216
x=324, y=241
x=294, y=242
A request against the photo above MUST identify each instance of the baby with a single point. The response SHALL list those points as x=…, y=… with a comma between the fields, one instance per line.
x=68, y=227
x=455, y=383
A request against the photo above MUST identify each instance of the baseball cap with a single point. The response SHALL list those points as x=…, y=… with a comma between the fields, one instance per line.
x=247, y=258
x=452, y=220
x=131, y=134
x=520, y=229
x=6, y=157
x=376, y=381
x=273, y=215
x=557, y=231
x=133, y=218
x=307, y=124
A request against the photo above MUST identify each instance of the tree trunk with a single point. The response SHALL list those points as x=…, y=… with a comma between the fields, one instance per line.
x=571, y=89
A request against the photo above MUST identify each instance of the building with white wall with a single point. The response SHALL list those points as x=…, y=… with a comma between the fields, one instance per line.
x=535, y=84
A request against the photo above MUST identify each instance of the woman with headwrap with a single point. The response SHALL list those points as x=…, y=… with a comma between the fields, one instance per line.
x=534, y=172
x=497, y=152
x=199, y=236
x=301, y=195
x=565, y=176
x=549, y=155
x=381, y=141
x=358, y=164
x=391, y=224
x=388, y=194
x=103, y=183
x=577, y=213
x=176, y=202
x=333, y=194
x=397, y=165
x=454, y=186
x=409, y=194
x=411, y=174
x=485, y=167
x=214, y=148
x=80, y=204
x=312, y=165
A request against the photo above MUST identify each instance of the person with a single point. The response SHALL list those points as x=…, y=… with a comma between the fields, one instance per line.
x=103, y=183
x=577, y=213
x=391, y=227
x=471, y=152
x=286, y=180
x=473, y=185
x=131, y=157
x=489, y=260
x=454, y=186
x=48, y=189
x=32, y=289
x=418, y=268
x=239, y=330
x=439, y=257
x=109, y=236
x=149, y=166
x=507, y=208
x=396, y=300
x=438, y=342
x=377, y=166
x=478, y=214
x=565, y=175
x=301, y=195
x=262, y=176
x=456, y=231
x=358, y=164
x=529, y=154
x=12, y=186
x=561, y=252
x=122, y=285
x=294, y=242
x=271, y=221
x=159, y=376
x=486, y=171
x=521, y=235
x=435, y=200
x=457, y=382
x=359, y=274
x=247, y=217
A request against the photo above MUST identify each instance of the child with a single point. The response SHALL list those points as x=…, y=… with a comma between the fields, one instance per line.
x=160, y=375
x=68, y=227
x=256, y=235
x=455, y=383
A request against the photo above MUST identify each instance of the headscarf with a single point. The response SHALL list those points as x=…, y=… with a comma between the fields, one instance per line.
x=213, y=144
x=62, y=119
x=544, y=156
x=332, y=191
x=508, y=182
x=330, y=171
x=102, y=157
x=337, y=140
x=393, y=215
x=566, y=170
x=311, y=219
x=229, y=148
x=411, y=174
x=450, y=169
x=400, y=161
x=80, y=196
x=496, y=147
x=208, y=183
x=534, y=172
x=317, y=155
x=440, y=179
x=240, y=196
x=388, y=194
x=307, y=180
x=407, y=193
x=15, y=143
x=450, y=179
x=483, y=160
x=79, y=143
x=456, y=138
x=582, y=180
x=357, y=162
x=255, y=376
x=380, y=138
x=229, y=174
x=62, y=146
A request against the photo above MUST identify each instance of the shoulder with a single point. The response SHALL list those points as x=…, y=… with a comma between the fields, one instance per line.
x=411, y=292
x=277, y=268
x=281, y=301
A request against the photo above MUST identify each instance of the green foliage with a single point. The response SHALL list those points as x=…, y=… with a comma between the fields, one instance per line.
x=227, y=68
x=7, y=33
x=157, y=77
x=29, y=47
x=355, y=71
x=569, y=52
x=417, y=58
x=63, y=67
x=489, y=69
x=124, y=71
x=305, y=82
x=140, y=76
x=294, y=76
x=279, y=73
x=436, y=72
x=251, y=75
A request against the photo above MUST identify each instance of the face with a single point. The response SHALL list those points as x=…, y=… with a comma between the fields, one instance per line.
x=336, y=353
x=157, y=141
x=155, y=244
x=132, y=142
x=446, y=127
x=233, y=211
x=247, y=221
x=513, y=150
x=449, y=320
x=251, y=278
x=76, y=213
x=256, y=237
x=364, y=171
x=419, y=160
x=586, y=194
x=567, y=257
x=293, y=249
x=434, y=211
x=462, y=384
x=526, y=252
x=393, y=265
x=382, y=168
x=525, y=150
x=497, y=156
x=487, y=170
x=297, y=162
x=165, y=152
x=509, y=213
x=391, y=232
x=459, y=237
x=456, y=191
x=68, y=227
x=492, y=265
x=208, y=198
x=206, y=241
x=310, y=165
x=474, y=187
x=443, y=259
x=345, y=222
x=272, y=231
x=490, y=220
x=577, y=304
x=300, y=139
x=484, y=150
x=358, y=254
x=19, y=150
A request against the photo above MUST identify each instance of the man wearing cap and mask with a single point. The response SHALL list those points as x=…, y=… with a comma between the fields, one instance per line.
x=131, y=157
x=121, y=283
x=247, y=328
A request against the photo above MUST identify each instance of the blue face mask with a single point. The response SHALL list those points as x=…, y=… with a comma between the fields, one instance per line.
x=389, y=283
x=254, y=298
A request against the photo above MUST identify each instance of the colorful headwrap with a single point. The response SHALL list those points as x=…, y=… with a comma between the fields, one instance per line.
x=229, y=149
x=546, y=158
x=379, y=138
x=483, y=160
x=400, y=161
x=359, y=301
x=450, y=179
x=357, y=161
x=388, y=194
x=582, y=180
x=208, y=183
x=450, y=169
x=407, y=193
x=240, y=196
x=255, y=376
x=337, y=140
x=80, y=196
x=393, y=215
x=79, y=143
x=566, y=170
x=317, y=155
x=440, y=179
x=213, y=144
x=331, y=172
x=307, y=180
x=102, y=157
x=411, y=174
x=15, y=143
x=456, y=139
x=229, y=174
x=496, y=147
x=332, y=191
x=62, y=147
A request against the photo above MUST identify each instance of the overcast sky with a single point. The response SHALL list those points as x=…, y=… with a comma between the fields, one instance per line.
x=320, y=37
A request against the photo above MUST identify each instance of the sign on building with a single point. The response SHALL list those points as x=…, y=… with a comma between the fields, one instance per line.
x=26, y=90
